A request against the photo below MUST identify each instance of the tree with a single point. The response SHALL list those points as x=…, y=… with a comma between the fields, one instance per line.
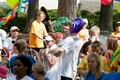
x=106, y=19
x=67, y=8
x=31, y=13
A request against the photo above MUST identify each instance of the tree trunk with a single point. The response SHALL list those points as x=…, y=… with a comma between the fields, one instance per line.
x=106, y=19
x=31, y=13
x=67, y=8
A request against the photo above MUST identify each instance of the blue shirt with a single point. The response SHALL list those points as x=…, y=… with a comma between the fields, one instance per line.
x=112, y=76
x=92, y=76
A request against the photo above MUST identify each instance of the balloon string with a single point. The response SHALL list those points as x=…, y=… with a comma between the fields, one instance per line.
x=11, y=14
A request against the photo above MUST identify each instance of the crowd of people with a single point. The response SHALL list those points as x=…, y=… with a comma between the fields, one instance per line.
x=62, y=55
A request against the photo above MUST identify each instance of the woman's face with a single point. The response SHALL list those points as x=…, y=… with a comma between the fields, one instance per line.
x=41, y=17
x=49, y=43
x=19, y=68
x=92, y=63
x=118, y=28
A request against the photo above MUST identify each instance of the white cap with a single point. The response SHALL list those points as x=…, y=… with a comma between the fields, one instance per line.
x=118, y=22
x=49, y=38
x=85, y=20
x=14, y=28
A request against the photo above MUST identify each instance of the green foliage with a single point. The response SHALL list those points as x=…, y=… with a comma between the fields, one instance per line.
x=116, y=18
x=53, y=14
x=93, y=18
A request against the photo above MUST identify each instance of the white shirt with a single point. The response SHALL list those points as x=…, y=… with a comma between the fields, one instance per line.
x=8, y=43
x=24, y=78
x=45, y=63
x=1, y=43
x=68, y=45
x=78, y=43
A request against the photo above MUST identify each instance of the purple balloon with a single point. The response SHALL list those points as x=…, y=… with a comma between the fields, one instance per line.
x=31, y=0
x=77, y=25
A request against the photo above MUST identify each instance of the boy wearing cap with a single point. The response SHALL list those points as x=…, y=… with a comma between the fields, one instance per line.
x=8, y=43
x=84, y=33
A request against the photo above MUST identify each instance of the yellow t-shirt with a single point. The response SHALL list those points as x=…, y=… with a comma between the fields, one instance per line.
x=83, y=34
x=39, y=29
x=84, y=64
x=115, y=34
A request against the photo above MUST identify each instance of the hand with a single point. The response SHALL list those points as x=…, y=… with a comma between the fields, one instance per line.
x=34, y=52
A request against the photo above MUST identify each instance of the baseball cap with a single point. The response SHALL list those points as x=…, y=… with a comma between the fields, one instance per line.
x=49, y=38
x=85, y=20
x=14, y=28
x=3, y=71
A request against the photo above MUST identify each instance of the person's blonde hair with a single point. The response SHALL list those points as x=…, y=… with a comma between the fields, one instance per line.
x=39, y=68
x=20, y=45
x=95, y=29
x=98, y=73
x=40, y=12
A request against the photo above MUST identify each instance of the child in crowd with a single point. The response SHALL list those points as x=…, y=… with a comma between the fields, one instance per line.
x=84, y=32
x=94, y=33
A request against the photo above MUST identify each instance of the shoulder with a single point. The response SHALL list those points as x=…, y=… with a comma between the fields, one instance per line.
x=113, y=33
x=112, y=76
x=13, y=58
x=12, y=78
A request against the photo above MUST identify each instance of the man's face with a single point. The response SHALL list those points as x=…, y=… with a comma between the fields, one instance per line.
x=65, y=30
x=14, y=33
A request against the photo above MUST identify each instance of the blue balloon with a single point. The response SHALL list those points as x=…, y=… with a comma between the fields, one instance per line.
x=77, y=25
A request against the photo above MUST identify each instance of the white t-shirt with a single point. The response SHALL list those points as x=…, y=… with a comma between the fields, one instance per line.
x=8, y=43
x=1, y=43
x=78, y=43
x=45, y=63
x=55, y=72
x=68, y=45
x=24, y=78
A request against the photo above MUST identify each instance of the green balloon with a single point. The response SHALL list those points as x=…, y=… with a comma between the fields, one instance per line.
x=58, y=24
x=11, y=3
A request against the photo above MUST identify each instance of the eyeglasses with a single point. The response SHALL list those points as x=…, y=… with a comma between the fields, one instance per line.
x=66, y=28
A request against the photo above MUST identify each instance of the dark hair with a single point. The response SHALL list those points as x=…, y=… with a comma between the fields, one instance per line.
x=117, y=24
x=26, y=62
x=96, y=44
x=67, y=24
x=45, y=11
x=85, y=47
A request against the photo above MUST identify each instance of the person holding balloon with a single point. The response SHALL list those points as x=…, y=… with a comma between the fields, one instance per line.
x=37, y=32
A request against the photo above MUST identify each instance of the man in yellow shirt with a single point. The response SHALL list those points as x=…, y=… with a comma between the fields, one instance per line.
x=97, y=48
x=37, y=32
